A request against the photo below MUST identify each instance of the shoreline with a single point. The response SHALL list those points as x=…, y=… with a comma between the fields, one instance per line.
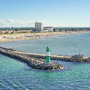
x=26, y=36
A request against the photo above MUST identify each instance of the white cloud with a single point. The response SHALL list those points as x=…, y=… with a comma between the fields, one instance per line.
x=20, y=23
x=43, y=21
x=10, y=20
x=28, y=22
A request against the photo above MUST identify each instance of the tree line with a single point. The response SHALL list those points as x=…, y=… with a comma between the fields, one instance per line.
x=60, y=29
x=72, y=29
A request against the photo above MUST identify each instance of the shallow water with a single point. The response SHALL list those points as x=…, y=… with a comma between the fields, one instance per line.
x=16, y=75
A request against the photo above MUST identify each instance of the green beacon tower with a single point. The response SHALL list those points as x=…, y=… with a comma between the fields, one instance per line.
x=47, y=55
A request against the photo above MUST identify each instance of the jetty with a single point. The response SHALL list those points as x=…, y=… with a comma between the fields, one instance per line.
x=38, y=61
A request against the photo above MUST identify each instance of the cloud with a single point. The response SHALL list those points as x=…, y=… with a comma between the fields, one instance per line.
x=20, y=23
x=43, y=21
x=30, y=22
x=11, y=22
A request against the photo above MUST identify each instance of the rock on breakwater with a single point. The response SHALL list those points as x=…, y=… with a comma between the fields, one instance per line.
x=37, y=61
x=33, y=60
x=75, y=58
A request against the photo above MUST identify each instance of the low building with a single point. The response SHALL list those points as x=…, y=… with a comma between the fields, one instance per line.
x=56, y=30
x=27, y=31
x=63, y=30
x=50, y=29
x=10, y=37
x=44, y=31
x=2, y=32
x=8, y=31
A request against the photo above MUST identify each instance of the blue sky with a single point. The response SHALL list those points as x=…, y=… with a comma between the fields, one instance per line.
x=56, y=13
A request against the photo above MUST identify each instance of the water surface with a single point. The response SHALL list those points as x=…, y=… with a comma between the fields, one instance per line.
x=16, y=75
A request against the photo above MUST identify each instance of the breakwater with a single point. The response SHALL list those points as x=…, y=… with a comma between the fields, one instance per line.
x=33, y=60
x=37, y=61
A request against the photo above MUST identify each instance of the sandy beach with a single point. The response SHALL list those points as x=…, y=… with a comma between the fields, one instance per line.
x=25, y=36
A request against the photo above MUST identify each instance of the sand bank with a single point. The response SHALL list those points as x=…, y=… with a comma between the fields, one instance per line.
x=25, y=36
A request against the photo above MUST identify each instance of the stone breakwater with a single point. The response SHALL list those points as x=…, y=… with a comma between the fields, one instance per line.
x=38, y=61
x=33, y=60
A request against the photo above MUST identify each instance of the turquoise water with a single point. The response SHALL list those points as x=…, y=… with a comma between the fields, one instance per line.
x=16, y=75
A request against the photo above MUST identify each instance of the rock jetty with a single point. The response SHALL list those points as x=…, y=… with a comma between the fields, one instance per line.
x=31, y=59
x=38, y=61
x=75, y=58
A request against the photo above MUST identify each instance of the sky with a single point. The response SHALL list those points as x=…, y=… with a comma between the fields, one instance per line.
x=56, y=13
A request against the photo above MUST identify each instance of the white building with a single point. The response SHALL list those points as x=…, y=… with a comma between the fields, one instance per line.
x=38, y=26
x=50, y=29
x=56, y=30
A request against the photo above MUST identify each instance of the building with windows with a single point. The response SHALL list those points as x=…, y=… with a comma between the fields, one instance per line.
x=38, y=26
x=50, y=29
x=56, y=30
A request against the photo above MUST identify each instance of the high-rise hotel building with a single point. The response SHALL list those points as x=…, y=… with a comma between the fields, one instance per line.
x=38, y=26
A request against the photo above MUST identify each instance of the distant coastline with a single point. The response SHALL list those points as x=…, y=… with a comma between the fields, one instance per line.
x=26, y=36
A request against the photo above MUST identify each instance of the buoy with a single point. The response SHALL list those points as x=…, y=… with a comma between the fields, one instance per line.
x=47, y=55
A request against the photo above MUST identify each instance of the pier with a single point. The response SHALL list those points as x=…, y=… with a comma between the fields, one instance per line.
x=38, y=61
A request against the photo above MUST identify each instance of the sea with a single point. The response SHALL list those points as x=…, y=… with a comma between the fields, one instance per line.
x=16, y=75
